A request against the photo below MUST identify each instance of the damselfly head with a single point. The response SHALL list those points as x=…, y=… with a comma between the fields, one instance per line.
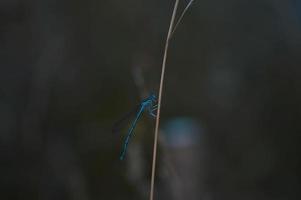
x=152, y=97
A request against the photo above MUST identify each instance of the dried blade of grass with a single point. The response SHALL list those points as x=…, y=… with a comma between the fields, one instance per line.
x=160, y=97
x=181, y=17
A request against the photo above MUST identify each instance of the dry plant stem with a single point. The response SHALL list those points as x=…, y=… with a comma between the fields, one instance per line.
x=159, y=99
x=181, y=17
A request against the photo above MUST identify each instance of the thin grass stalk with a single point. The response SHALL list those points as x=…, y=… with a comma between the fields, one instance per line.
x=181, y=17
x=160, y=98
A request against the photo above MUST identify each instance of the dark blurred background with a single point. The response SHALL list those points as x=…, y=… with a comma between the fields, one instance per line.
x=231, y=105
